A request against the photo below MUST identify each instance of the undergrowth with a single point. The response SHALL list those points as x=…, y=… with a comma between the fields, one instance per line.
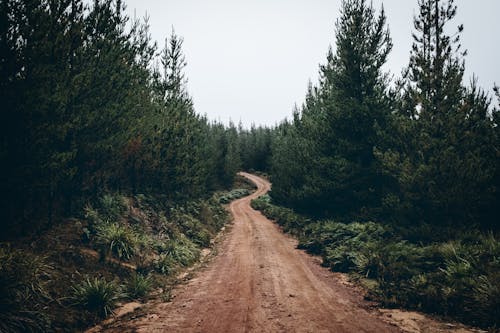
x=233, y=195
x=115, y=239
x=23, y=291
x=139, y=286
x=457, y=277
x=97, y=296
x=141, y=241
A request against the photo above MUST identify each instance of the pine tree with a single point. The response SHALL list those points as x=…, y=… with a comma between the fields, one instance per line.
x=444, y=151
x=343, y=117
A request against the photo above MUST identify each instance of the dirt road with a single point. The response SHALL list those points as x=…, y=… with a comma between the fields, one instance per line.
x=259, y=282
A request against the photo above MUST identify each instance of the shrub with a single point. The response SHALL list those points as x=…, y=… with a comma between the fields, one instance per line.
x=340, y=259
x=212, y=215
x=97, y=296
x=200, y=237
x=116, y=239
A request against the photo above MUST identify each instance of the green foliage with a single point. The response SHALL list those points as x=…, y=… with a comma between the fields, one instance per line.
x=421, y=153
x=233, y=195
x=421, y=157
x=97, y=296
x=442, y=157
x=457, y=278
x=486, y=295
x=92, y=215
x=255, y=148
x=94, y=107
x=111, y=207
x=192, y=227
x=116, y=239
x=91, y=106
x=323, y=161
x=164, y=264
x=286, y=218
x=181, y=251
x=23, y=291
x=212, y=214
x=139, y=286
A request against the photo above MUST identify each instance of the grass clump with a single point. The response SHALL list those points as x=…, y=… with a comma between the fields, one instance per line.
x=192, y=227
x=97, y=296
x=139, y=286
x=117, y=240
x=108, y=208
x=175, y=253
x=181, y=251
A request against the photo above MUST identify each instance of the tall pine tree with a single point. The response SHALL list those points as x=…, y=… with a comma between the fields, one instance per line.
x=341, y=121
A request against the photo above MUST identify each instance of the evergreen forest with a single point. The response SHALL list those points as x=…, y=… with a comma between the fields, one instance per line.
x=393, y=178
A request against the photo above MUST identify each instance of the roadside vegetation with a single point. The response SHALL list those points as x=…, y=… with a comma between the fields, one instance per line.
x=110, y=181
x=457, y=277
x=121, y=249
x=396, y=181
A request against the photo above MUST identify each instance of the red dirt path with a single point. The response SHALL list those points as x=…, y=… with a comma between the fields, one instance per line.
x=260, y=282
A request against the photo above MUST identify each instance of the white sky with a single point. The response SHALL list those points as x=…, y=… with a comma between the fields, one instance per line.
x=251, y=60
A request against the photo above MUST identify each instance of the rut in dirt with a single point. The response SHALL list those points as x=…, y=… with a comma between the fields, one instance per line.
x=260, y=282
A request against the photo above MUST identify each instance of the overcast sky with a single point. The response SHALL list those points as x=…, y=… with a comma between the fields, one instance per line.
x=251, y=60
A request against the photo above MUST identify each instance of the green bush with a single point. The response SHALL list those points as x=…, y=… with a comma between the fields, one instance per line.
x=487, y=299
x=285, y=217
x=340, y=259
x=110, y=207
x=213, y=215
x=97, y=296
x=23, y=292
x=115, y=239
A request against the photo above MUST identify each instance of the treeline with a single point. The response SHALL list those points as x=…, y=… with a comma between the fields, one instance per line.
x=90, y=105
x=422, y=150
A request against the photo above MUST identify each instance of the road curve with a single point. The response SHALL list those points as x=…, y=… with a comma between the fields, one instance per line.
x=260, y=282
